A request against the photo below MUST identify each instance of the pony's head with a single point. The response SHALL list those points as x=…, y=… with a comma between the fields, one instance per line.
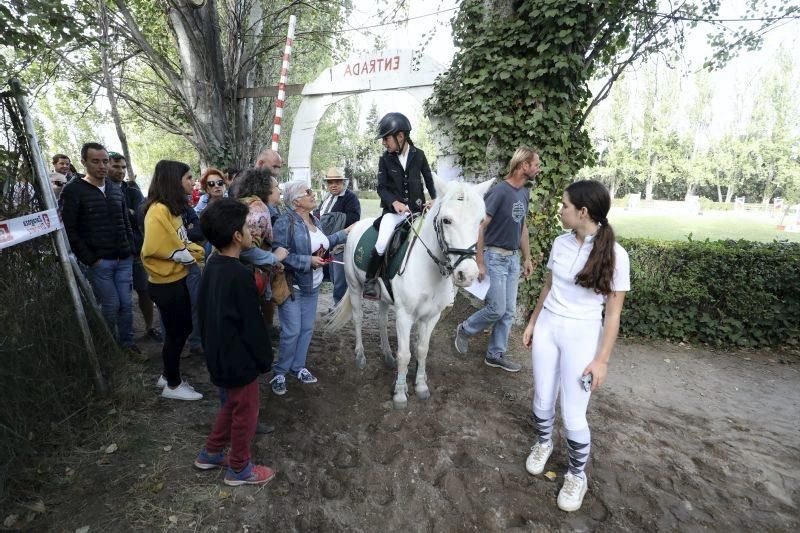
x=458, y=212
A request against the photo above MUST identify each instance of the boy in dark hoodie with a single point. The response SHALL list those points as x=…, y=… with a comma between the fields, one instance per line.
x=236, y=344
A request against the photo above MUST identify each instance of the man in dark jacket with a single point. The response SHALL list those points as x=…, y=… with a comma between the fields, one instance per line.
x=339, y=200
x=99, y=230
x=401, y=169
x=117, y=169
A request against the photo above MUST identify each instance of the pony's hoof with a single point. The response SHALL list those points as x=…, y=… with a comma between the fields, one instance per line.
x=423, y=394
x=399, y=405
x=361, y=362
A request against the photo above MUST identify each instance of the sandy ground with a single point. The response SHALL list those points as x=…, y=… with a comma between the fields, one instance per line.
x=683, y=439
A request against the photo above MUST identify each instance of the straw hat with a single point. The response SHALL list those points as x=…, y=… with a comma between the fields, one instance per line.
x=334, y=173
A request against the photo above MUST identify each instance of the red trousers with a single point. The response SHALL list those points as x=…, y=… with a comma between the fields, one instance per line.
x=236, y=424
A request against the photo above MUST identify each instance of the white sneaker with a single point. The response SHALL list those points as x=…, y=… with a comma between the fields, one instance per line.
x=184, y=391
x=570, y=497
x=540, y=453
x=161, y=383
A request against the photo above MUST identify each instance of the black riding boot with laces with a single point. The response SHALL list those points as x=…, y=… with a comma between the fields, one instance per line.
x=371, y=289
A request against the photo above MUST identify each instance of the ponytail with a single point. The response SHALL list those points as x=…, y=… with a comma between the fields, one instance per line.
x=598, y=272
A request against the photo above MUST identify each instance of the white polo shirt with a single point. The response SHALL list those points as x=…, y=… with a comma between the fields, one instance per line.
x=568, y=299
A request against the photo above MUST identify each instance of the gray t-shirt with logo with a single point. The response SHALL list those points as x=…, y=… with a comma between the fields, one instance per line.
x=508, y=207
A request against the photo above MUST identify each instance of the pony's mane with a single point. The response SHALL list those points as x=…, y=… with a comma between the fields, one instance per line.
x=464, y=192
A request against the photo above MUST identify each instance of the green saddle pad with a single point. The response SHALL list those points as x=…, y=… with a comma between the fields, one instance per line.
x=367, y=243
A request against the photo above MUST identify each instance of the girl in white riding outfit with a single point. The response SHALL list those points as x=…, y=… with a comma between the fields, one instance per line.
x=571, y=336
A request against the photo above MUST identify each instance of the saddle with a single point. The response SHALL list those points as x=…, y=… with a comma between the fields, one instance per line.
x=395, y=252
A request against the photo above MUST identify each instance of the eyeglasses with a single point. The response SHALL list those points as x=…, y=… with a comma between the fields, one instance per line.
x=219, y=183
x=309, y=192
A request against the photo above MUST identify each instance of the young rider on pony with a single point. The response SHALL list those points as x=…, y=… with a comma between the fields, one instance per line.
x=400, y=171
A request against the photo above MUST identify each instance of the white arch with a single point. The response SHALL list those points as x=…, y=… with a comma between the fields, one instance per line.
x=387, y=70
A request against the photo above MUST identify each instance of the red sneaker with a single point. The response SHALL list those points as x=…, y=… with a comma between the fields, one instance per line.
x=250, y=475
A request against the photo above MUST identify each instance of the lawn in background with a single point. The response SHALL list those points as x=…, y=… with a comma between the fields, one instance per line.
x=712, y=225
x=675, y=225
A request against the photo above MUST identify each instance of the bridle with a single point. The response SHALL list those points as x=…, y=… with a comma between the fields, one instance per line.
x=445, y=265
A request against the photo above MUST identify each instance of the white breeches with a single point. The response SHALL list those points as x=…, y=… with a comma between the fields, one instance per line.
x=562, y=348
x=388, y=223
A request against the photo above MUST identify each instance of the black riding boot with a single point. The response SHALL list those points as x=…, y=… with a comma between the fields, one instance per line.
x=371, y=288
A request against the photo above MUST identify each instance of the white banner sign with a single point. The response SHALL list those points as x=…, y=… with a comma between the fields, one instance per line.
x=29, y=227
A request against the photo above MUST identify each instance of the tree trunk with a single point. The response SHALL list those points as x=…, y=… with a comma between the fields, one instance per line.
x=203, y=82
x=689, y=190
x=651, y=177
x=108, y=83
x=769, y=187
x=729, y=193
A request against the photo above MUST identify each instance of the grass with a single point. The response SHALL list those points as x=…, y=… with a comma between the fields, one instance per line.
x=719, y=225
x=675, y=225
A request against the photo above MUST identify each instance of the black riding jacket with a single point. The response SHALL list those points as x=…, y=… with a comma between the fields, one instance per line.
x=395, y=184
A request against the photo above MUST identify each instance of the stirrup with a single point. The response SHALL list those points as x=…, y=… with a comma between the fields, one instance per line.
x=371, y=290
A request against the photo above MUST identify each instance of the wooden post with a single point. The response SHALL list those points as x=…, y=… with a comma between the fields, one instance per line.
x=60, y=237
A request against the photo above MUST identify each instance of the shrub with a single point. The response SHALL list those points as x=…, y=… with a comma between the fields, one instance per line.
x=725, y=293
x=364, y=194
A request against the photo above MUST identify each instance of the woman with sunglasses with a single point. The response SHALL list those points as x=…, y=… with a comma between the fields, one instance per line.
x=212, y=183
x=298, y=231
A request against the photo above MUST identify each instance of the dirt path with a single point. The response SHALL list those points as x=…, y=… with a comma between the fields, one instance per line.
x=683, y=438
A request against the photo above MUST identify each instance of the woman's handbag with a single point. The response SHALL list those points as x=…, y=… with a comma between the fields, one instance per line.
x=262, y=278
x=280, y=288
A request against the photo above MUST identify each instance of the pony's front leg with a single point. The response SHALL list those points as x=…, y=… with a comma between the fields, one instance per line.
x=383, y=321
x=424, y=330
x=358, y=318
x=404, y=323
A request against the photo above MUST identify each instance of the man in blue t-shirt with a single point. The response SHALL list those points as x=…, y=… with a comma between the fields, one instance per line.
x=503, y=233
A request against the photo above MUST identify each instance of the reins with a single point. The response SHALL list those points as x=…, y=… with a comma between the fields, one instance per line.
x=445, y=266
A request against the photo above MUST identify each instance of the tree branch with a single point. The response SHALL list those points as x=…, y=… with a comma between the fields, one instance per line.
x=139, y=39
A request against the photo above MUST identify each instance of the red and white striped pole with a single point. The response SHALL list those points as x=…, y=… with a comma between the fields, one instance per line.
x=287, y=51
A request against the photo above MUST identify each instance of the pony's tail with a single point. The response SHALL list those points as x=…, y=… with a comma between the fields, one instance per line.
x=341, y=314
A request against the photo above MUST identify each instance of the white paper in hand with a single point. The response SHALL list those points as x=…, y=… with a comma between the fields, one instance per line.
x=479, y=288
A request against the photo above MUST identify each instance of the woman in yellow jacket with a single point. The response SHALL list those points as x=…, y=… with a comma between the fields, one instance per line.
x=167, y=254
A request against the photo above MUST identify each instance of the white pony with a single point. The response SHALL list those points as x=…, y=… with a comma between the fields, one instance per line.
x=443, y=254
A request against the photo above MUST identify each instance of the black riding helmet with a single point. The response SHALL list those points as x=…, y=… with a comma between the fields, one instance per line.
x=392, y=124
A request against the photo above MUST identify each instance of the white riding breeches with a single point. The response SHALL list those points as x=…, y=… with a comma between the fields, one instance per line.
x=389, y=221
x=562, y=348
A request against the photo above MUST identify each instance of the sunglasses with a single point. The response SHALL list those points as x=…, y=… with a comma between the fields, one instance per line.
x=59, y=183
x=219, y=183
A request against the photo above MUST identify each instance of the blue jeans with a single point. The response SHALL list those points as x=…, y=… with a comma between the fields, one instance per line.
x=501, y=302
x=297, y=326
x=193, y=286
x=338, y=279
x=112, y=282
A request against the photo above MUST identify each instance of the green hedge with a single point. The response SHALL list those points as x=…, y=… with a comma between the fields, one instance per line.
x=725, y=293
